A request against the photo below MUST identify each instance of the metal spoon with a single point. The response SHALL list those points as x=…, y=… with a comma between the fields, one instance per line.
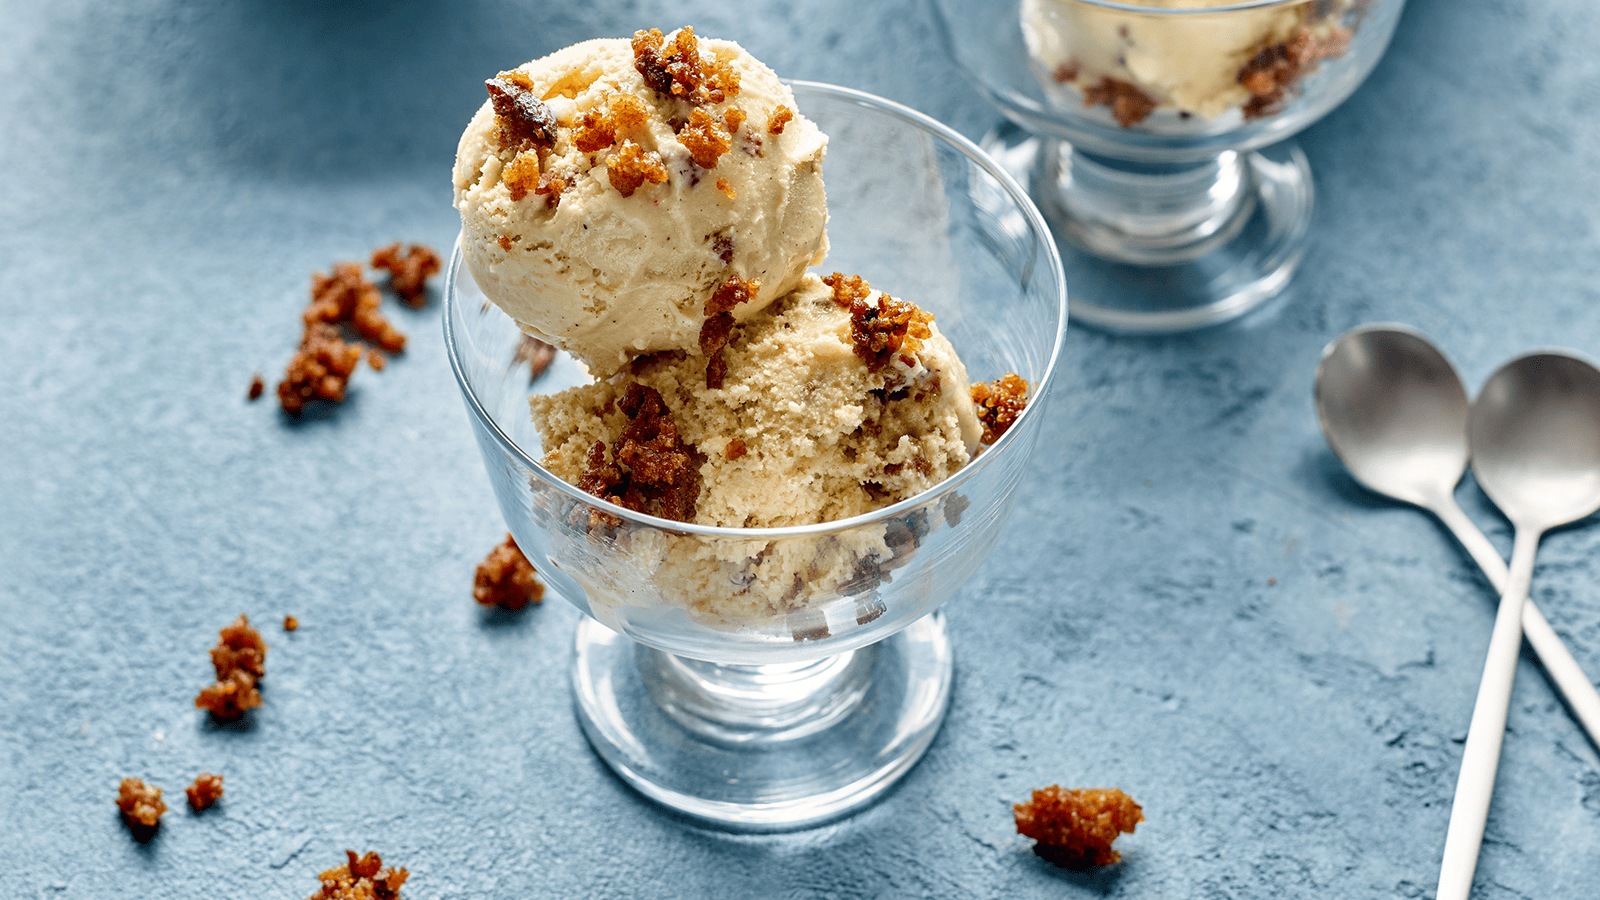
x=1395, y=412
x=1535, y=437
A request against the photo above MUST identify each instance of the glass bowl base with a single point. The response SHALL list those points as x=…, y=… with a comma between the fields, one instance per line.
x=763, y=748
x=1130, y=285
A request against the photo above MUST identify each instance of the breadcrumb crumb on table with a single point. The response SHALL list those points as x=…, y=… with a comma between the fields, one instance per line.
x=408, y=271
x=206, y=790
x=1074, y=829
x=239, y=660
x=140, y=804
x=361, y=878
x=506, y=579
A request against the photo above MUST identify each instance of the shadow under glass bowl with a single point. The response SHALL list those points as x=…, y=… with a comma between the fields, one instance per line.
x=1155, y=137
x=796, y=709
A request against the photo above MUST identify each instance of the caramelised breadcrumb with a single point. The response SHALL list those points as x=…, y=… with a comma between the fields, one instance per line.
x=883, y=331
x=319, y=370
x=408, y=271
x=1074, y=829
x=257, y=386
x=506, y=579
x=781, y=117
x=523, y=119
x=718, y=326
x=141, y=804
x=998, y=403
x=652, y=471
x=705, y=138
x=239, y=660
x=322, y=366
x=361, y=878
x=206, y=790
x=678, y=69
x=631, y=166
x=290, y=623
x=1271, y=72
x=347, y=296
x=1129, y=105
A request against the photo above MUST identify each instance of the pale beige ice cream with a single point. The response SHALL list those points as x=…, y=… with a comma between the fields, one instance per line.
x=801, y=431
x=1187, y=63
x=608, y=231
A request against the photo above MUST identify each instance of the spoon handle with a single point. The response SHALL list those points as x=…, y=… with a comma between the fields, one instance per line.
x=1481, y=759
x=1575, y=687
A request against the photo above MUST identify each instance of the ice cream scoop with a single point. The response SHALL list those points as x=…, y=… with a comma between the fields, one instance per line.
x=608, y=190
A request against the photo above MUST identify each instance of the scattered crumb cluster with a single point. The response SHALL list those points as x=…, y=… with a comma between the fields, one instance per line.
x=140, y=803
x=344, y=322
x=240, y=661
x=1074, y=829
x=999, y=403
x=361, y=878
x=506, y=579
x=206, y=790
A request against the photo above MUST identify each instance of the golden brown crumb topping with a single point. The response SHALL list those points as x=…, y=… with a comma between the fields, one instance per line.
x=408, y=271
x=882, y=331
x=206, y=790
x=600, y=128
x=998, y=403
x=140, y=803
x=1272, y=71
x=257, y=386
x=652, y=471
x=319, y=370
x=322, y=366
x=523, y=119
x=347, y=296
x=290, y=623
x=705, y=138
x=361, y=878
x=522, y=175
x=718, y=326
x=1074, y=829
x=506, y=579
x=781, y=116
x=1129, y=105
x=677, y=69
x=631, y=166
x=240, y=660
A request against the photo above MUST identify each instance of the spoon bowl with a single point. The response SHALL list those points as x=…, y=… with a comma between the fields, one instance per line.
x=1395, y=412
x=1535, y=433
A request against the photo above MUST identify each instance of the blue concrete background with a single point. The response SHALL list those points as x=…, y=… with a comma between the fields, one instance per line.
x=1195, y=603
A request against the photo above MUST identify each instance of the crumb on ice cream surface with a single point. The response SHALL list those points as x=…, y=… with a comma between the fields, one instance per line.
x=608, y=189
x=802, y=430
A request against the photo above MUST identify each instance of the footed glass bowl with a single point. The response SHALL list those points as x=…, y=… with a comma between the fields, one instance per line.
x=1154, y=136
x=798, y=709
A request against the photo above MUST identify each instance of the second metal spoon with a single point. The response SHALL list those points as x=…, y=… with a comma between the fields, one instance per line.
x=1535, y=438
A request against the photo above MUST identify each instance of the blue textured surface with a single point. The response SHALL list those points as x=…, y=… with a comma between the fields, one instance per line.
x=1196, y=603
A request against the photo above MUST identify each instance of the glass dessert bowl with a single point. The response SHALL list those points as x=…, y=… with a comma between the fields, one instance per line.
x=1154, y=137
x=708, y=690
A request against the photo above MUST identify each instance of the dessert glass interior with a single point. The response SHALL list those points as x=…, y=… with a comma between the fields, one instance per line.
x=1194, y=211
x=802, y=710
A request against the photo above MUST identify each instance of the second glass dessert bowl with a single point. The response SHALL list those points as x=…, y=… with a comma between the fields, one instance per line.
x=806, y=705
x=1154, y=136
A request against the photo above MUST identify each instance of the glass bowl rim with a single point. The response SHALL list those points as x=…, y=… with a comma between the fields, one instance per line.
x=1026, y=420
